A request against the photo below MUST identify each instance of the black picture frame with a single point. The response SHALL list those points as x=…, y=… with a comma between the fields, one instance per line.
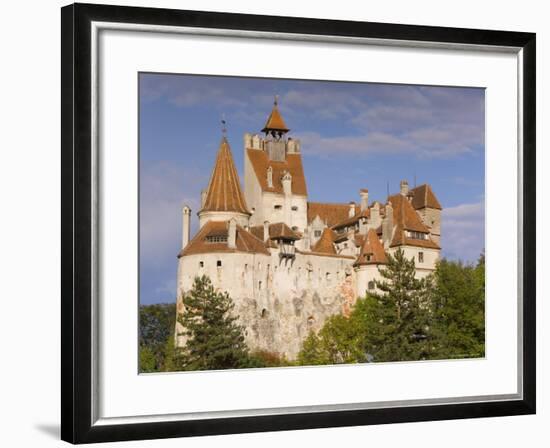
x=76, y=218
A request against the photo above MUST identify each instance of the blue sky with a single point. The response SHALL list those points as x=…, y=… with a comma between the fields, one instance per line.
x=354, y=135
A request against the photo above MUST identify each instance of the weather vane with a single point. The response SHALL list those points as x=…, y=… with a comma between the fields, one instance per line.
x=224, y=123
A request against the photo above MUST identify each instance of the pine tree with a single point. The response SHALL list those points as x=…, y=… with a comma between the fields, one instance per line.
x=214, y=339
x=396, y=320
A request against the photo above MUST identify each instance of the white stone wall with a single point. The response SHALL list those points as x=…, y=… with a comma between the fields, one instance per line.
x=293, y=297
x=431, y=217
x=364, y=275
x=431, y=257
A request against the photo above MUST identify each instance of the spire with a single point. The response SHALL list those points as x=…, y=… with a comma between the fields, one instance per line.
x=275, y=123
x=224, y=189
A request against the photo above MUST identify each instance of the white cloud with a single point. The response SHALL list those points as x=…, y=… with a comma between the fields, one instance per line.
x=424, y=143
x=165, y=187
x=463, y=231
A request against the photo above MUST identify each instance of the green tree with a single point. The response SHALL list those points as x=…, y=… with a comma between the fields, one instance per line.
x=396, y=319
x=214, y=339
x=156, y=326
x=339, y=341
x=147, y=361
x=458, y=322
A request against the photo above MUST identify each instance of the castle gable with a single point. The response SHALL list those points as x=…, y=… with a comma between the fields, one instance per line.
x=409, y=228
x=292, y=164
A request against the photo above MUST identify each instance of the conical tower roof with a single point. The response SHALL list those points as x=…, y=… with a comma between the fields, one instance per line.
x=224, y=192
x=372, y=251
x=275, y=121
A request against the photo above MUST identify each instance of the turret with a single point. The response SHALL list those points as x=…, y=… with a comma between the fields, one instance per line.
x=186, y=227
x=223, y=198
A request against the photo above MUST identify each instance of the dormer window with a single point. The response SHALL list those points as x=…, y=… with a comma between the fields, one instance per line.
x=417, y=235
x=216, y=239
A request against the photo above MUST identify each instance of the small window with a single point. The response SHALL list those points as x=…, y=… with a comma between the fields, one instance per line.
x=264, y=313
x=421, y=257
x=317, y=233
x=278, y=207
x=201, y=264
x=327, y=276
x=260, y=284
x=219, y=263
x=294, y=208
x=216, y=239
x=371, y=285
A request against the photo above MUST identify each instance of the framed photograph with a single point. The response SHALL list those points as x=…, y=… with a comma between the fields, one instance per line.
x=276, y=223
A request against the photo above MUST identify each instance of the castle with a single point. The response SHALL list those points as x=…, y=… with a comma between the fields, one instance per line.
x=287, y=263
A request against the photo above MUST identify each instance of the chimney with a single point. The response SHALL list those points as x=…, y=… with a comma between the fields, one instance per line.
x=404, y=187
x=270, y=177
x=387, y=226
x=375, y=214
x=247, y=140
x=266, y=230
x=364, y=193
x=351, y=212
x=232, y=237
x=186, y=211
x=287, y=183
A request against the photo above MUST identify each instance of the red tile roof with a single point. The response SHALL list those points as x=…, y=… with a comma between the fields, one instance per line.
x=350, y=221
x=293, y=164
x=331, y=213
x=276, y=231
x=423, y=196
x=244, y=242
x=372, y=251
x=405, y=219
x=325, y=244
x=275, y=121
x=224, y=189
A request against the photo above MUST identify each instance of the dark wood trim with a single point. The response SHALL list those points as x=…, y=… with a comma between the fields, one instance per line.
x=76, y=183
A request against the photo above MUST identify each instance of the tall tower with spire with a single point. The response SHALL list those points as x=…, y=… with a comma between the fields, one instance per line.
x=223, y=199
x=275, y=185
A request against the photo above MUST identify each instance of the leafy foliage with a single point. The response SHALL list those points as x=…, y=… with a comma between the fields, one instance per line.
x=156, y=324
x=339, y=341
x=440, y=316
x=458, y=322
x=214, y=339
